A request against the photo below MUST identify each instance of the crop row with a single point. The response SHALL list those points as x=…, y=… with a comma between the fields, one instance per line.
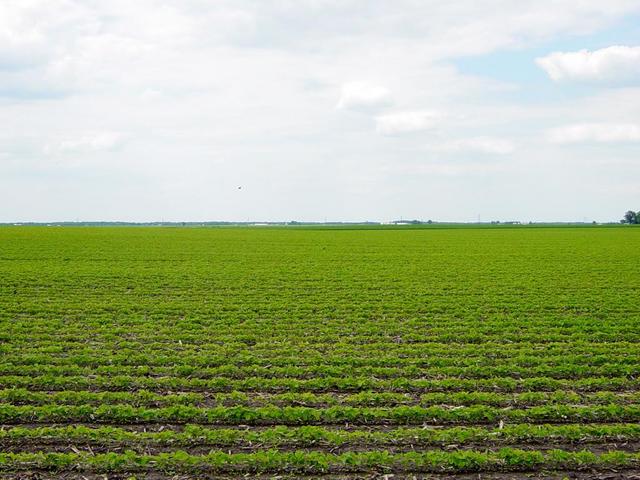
x=454, y=334
x=126, y=349
x=318, y=436
x=428, y=324
x=560, y=371
x=294, y=346
x=19, y=396
x=24, y=291
x=55, y=356
x=343, y=384
x=271, y=415
x=507, y=459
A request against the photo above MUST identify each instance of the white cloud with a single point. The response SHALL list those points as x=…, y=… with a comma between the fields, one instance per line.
x=88, y=143
x=452, y=169
x=362, y=96
x=405, y=122
x=616, y=64
x=27, y=31
x=218, y=94
x=489, y=145
x=596, y=132
x=151, y=94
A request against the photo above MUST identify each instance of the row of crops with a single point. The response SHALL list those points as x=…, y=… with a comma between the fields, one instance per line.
x=327, y=353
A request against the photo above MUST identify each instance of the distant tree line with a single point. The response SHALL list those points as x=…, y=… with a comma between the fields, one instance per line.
x=631, y=217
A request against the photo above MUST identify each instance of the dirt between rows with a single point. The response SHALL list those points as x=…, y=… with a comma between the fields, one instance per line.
x=258, y=402
x=330, y=391
x=203, y=449
x=260, y=399
x=633, y=474
x=377, y=427
x=382, y=424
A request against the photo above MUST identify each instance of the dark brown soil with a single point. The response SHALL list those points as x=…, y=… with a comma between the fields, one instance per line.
x=203, y=449
x=559, y=475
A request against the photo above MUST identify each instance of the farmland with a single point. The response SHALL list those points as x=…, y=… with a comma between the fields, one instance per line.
x=324, y=353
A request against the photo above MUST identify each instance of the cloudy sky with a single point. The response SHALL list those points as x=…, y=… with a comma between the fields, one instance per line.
x=319, y=109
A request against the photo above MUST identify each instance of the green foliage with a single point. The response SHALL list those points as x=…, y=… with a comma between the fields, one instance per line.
x=318, y=351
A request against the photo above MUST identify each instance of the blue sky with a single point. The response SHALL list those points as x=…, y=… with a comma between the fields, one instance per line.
x=319, y=109
x=515, y=65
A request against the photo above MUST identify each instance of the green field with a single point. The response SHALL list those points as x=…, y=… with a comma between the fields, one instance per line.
x=330, y=353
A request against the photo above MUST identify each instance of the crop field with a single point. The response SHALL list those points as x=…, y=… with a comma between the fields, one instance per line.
x=319, y=353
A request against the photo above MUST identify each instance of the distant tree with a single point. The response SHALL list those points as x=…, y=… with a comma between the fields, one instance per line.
x=631, y=218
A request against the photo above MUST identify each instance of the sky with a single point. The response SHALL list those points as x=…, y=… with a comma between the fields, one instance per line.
x=316, y=110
